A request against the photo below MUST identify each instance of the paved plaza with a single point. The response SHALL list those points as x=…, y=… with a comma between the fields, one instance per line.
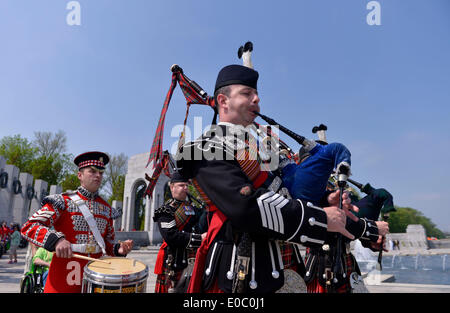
x=11, y=274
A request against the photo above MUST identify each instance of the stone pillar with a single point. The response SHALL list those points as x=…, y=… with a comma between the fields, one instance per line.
x=21, y=201
x=55, y=189
x=7, y=194
x=2, y=163
x=40, y=187
x=148, y=214
x=126, y=215
x=117, y=206
x=156, y=201
x=3, y=192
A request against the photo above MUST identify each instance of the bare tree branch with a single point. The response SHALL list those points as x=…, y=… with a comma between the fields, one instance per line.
x=50, y=144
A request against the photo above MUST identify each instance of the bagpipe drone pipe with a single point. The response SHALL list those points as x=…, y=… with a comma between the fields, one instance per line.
x=305, y=180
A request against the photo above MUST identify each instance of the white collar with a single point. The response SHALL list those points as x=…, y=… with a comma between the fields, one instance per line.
x=236, y=128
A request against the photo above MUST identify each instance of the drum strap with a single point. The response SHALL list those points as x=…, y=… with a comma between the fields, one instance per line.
x=81, y=204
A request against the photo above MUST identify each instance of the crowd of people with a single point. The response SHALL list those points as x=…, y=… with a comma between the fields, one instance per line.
x=10, y=239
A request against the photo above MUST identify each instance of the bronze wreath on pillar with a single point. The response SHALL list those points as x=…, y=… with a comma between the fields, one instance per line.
x=17, y=186
x=3, y=180
x=30, y=192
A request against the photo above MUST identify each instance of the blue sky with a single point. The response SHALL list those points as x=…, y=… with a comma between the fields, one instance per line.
x=383, y=91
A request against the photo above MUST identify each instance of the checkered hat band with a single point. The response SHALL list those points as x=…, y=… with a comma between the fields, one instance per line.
x=91, y=162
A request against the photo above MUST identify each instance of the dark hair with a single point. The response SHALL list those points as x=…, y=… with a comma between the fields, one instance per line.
x=225, y=90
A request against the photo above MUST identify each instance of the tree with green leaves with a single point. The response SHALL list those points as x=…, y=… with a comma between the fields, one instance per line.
x=114, y=177
x=44, y=157
x=18, y=151
x=52, y=163
x=70, y=182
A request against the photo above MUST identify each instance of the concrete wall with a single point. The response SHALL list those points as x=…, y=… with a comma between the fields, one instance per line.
x=414, y=238
x=4, y=194
x=140, y=238
x=118, y=207
x=439, y=244
x=21, y=201
x=7, y=194
x=18, y=207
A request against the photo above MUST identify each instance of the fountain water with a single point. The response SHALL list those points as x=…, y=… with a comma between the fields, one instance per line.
x=417, y=261
x=393, y=261
x=402, y=266
x=418, y=268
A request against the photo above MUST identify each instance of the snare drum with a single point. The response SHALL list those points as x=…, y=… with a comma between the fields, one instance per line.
x=123, y=275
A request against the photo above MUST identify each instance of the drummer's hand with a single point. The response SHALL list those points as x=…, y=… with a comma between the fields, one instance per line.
x=63, y=249
x=333, y=200
x=204, y=236
x=125, y=247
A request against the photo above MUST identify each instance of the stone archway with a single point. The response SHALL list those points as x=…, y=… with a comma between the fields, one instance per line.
x=138, y=210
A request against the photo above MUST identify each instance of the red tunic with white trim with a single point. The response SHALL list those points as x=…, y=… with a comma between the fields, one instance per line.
x=58, y=218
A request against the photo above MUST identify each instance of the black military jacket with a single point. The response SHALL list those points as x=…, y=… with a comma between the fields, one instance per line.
x=178, y=224
x=267, y=216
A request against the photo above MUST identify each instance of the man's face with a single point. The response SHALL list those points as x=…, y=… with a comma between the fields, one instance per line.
x=90, y=178
x=238, y=107
x=179, y=190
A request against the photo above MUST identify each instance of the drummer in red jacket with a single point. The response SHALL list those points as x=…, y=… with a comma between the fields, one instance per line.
x=61, y=226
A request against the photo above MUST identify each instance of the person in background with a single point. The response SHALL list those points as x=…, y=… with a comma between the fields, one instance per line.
x=178, y=222
x=15, y=241
x=41, y=261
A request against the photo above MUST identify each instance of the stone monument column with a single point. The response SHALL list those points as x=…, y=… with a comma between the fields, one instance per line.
x=148, y=215
x=117, y=206
x=40, y=187
x=55, y=189
x=7, y=194
x=21, y=202
x=156, y=201
x=3, y=190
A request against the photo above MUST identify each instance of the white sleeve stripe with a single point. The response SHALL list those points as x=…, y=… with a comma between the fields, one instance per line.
x=266, y=195
x=41, y=215
x=41, y=219
x=262, y=212
x=277, y=200
x=272, y=202
x=270, y=205
x=269, y=215
x=280, y=217
x=168, y=224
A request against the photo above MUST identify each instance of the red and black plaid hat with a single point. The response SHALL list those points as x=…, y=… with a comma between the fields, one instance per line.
x=92, y=158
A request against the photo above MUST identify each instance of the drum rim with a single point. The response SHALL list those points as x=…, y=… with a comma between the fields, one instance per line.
x=119, y=279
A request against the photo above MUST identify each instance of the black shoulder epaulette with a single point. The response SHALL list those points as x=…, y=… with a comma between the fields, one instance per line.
x=168, y=207
x=165, y=208
x=56, y=200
